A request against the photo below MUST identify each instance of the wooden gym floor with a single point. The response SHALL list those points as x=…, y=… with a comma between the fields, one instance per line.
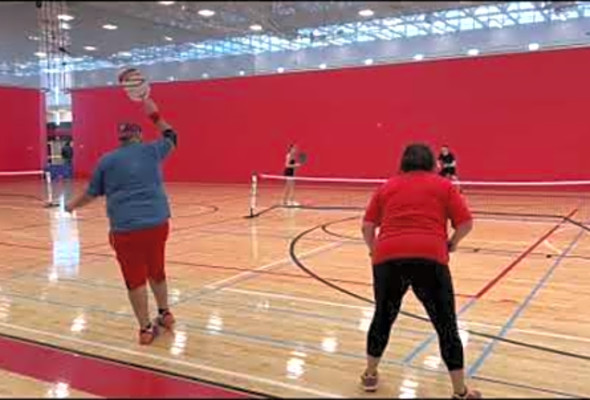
x=250, y=318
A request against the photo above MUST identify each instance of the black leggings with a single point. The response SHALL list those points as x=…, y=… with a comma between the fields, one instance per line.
x=433, y=286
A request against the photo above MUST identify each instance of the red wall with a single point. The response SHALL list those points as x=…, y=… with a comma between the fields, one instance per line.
x=22, y=141
x=510, y=117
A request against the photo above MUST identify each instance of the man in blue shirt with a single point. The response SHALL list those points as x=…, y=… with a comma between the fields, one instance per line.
x=137, y=207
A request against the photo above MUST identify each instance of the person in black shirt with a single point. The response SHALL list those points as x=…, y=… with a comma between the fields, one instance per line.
x=291, y=165
x=67, y=153
x=447, y=163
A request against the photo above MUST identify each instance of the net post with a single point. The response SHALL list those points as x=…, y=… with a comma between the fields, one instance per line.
x=253, y=194
x=50, y=202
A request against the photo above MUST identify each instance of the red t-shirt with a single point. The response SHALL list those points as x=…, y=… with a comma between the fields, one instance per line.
x=412, y=211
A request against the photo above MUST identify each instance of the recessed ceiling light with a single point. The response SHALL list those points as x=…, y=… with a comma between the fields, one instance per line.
x=242, y=73
x=323, y=66
x=109, y=27
x=125, y=54
x=473, y=52
x=166, y=3
x=205, y=75
x=206, y=13
x=280, y=70
x=65, y=17
x=256, y=27
x=419, y=57
x=171, y=78
x=369, y=61
x=168, y=38
x=534, y=46
x=89, y=48
x=41, y=54
x=65, y=25
x=366, y=13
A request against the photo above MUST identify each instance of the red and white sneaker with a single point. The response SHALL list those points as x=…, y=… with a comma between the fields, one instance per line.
x=370, y=382
x=469, y=394
x=147, y=335
x=166, y=319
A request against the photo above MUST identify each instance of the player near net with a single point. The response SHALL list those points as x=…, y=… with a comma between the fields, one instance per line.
x=412, y=249
x=138, y=211
x=447, y=163
x=291, y=166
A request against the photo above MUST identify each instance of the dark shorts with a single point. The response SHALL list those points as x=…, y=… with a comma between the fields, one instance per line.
x=448, y=172
x=141, y=254
x=289, y=172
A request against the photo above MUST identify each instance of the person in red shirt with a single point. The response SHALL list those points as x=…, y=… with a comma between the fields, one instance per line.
x=412, y=248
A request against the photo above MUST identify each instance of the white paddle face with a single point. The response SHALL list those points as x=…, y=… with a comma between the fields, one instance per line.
x=134, y=84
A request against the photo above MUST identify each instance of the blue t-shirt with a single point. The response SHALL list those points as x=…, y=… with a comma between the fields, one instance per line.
x=131, y=179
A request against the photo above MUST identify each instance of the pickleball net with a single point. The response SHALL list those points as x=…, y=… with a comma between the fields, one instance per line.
x=527, y=199
x=27, y=188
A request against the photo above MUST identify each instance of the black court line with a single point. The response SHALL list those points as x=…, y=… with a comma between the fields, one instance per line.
x=295, y=259
x=129, y=364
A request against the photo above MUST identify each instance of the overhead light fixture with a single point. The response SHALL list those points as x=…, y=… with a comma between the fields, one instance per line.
x=323, y=66
x=41, y=54
x=242, y=73
x=205, y=75
x=280, y=70
x=366, y=13
x=534, y=46
x=369, y=61
x=206, y=13
x=125, y=54
x=65, y=26
x=109, y=27
x=419, y=57
x=89, y=48
x=65, y=17
x=166, y=3
x=33, y=38
x=256, y=27
x=168, y=38
x=170, y=78
x=472, y=52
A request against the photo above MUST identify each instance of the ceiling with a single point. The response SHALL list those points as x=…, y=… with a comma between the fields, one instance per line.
x=145, y=24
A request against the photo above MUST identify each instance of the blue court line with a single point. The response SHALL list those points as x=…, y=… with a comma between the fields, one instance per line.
x=522, y=307
x=262, y=339
x=422, y=346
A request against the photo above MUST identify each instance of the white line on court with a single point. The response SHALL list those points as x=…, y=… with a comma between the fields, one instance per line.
x=173, y=361
x=341, y=305
x=552, y=247
x=301, y=299
x=217, y=284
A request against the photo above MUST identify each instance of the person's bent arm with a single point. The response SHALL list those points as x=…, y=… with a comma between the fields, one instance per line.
x=96, y=188
x=460, y=232
x=164, y=127
x=79, y=202
x=368, y=230
x=460, y=216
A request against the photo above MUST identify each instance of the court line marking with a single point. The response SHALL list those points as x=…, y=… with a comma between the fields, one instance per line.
x=285, y=260
x=422, y=346
x=341, y=305
x=302, y=299
x=173, y=361
x=522, y=307
x=283, y=344
x=547, y=243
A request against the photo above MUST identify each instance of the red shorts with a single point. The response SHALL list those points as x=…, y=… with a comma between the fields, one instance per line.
x=141, y=254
